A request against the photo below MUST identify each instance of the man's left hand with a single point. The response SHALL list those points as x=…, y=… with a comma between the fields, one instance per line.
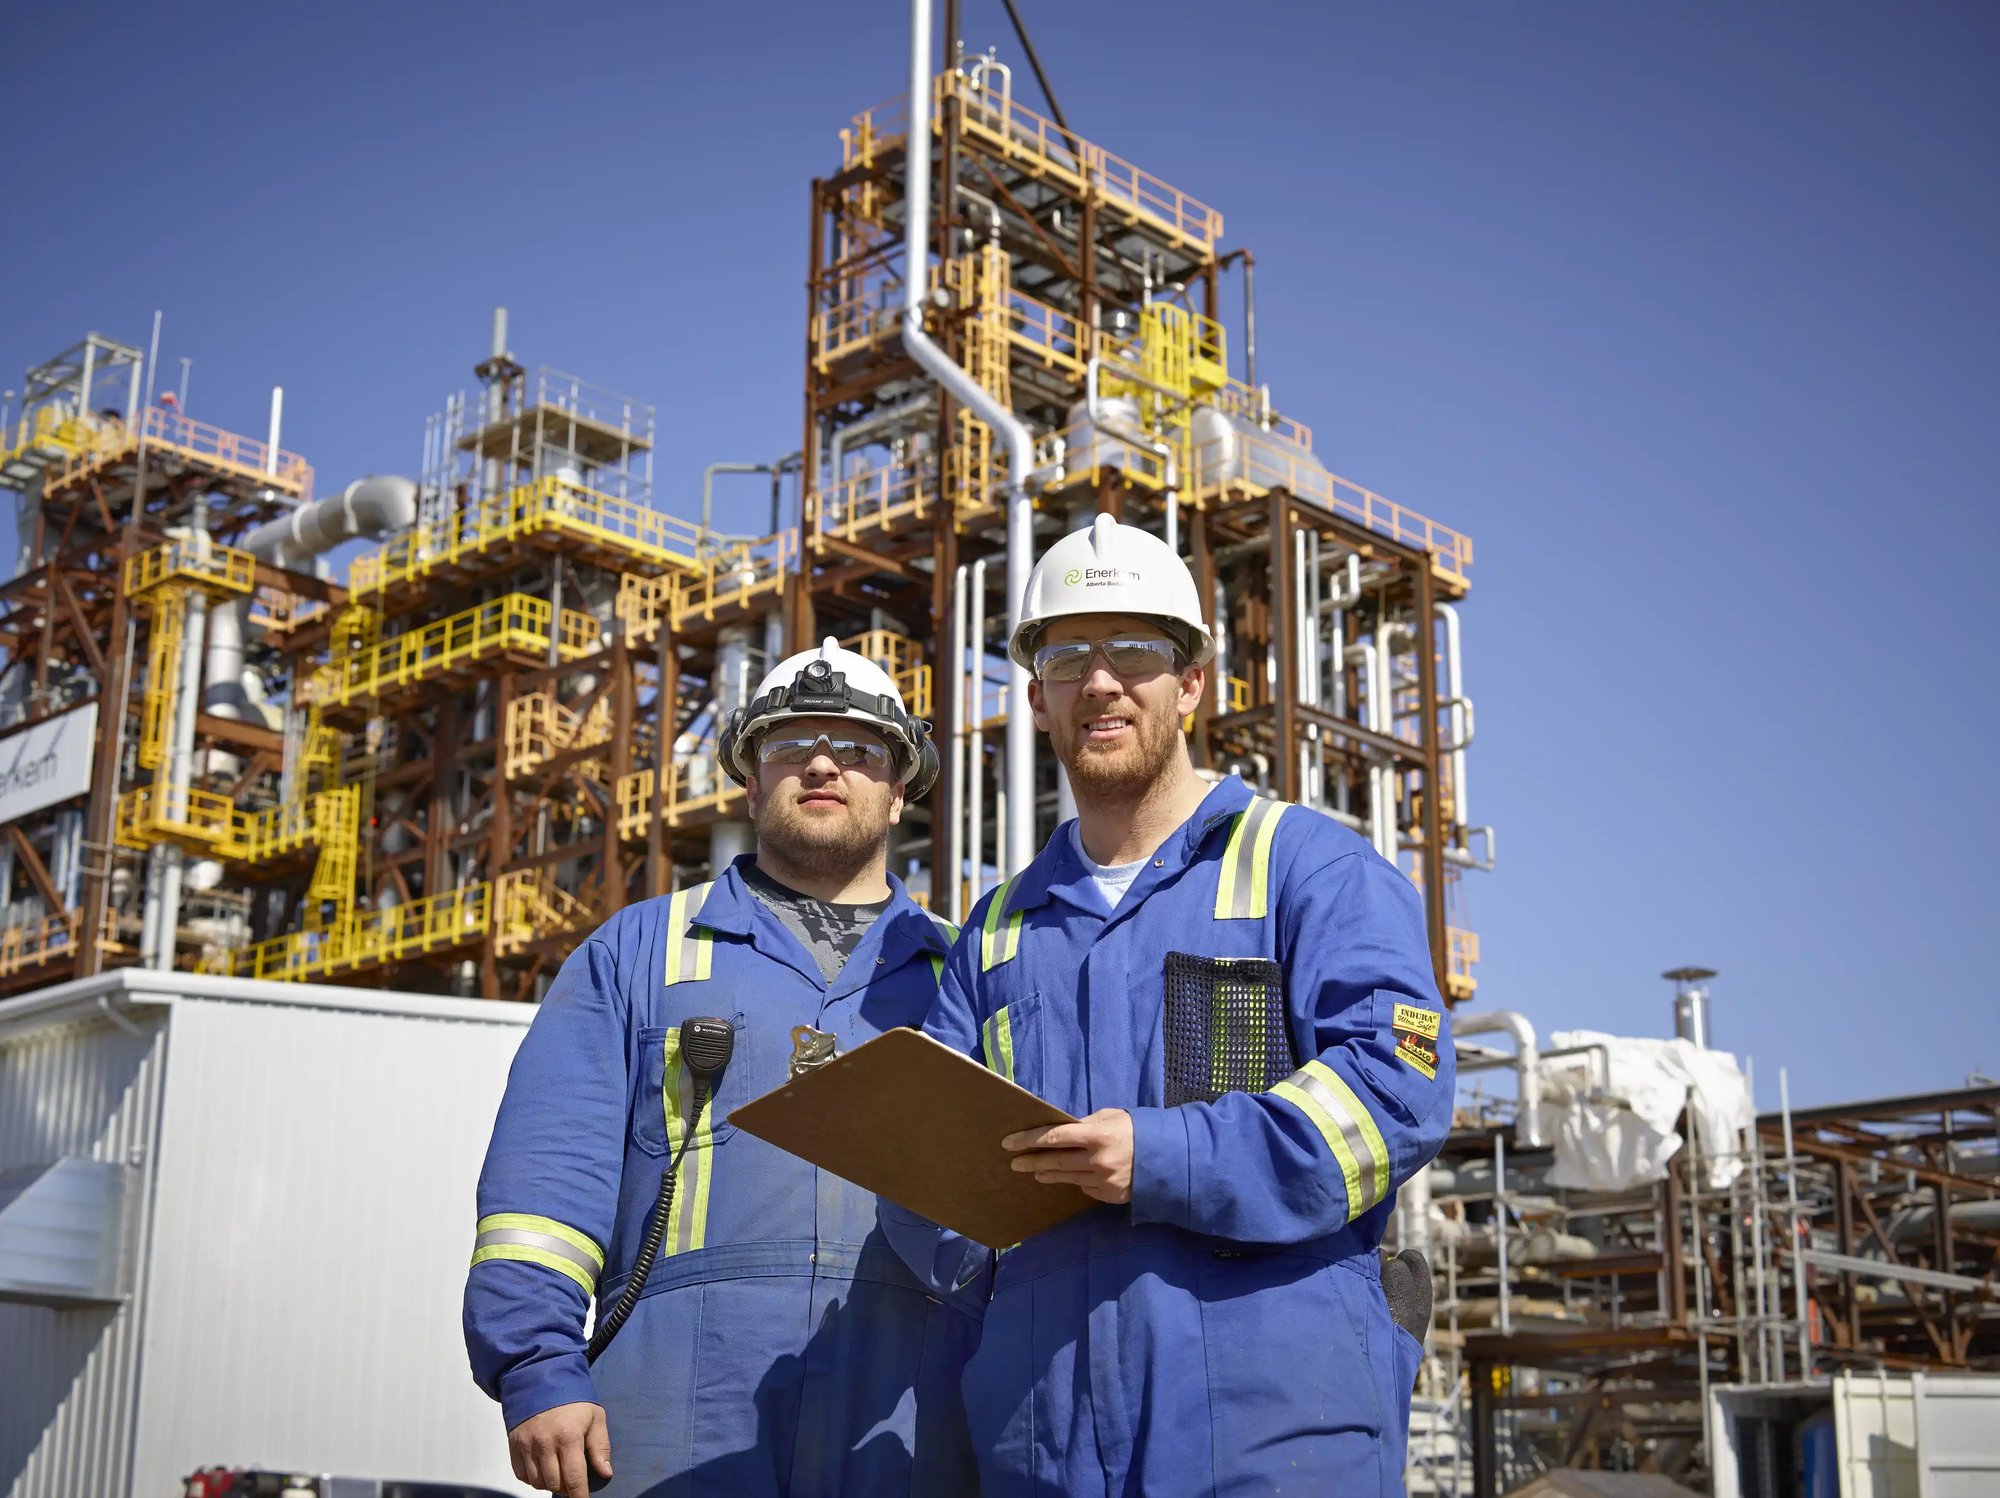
x=1094, y=1153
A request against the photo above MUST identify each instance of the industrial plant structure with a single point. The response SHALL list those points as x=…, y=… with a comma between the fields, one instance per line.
x=436, y=772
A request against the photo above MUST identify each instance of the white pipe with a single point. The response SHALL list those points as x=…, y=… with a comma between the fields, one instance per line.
x=1366, y=654
x=1020, y=832
x=975, y=791
x=1461, y=712
x=1385, y=662
x=1173, y=499
x=277, y=425
x=874, y=421
x=954, y=827
x=1221, y=616
x=375, y=506
x=1527, y=1064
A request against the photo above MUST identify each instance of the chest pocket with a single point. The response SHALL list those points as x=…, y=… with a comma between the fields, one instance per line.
x=665, y=1098
x=1011, y=1040
x=1226, y=1029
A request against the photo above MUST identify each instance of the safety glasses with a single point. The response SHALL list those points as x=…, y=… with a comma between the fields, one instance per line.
x=849, y=754
x=1129, y=659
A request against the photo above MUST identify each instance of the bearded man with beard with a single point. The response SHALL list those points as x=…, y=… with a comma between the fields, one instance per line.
x=758, y=1334
x=1235, y=998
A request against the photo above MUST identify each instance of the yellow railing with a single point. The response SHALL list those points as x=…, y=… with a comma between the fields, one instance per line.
x=516, y=622
x=206, y=565
x=1235, y=695
x=695, y=784
x=1048, y=334
x=530, y=905
x=642, y=602
x=1239, y=400
x=903, y=659
x=163, y=669
x=551, y=504
x=538, y=728
x=50, y=433
x=370, y=937
x=736, y=575
x=873, y=501
x=875, y=131
x=204, y=822
x=1042, y=147
x=1090, y=452
x=280, y=613
x=1461, y=956
x=868, y=319
x=23, y=947
x=1263, y=466
x=207, y=445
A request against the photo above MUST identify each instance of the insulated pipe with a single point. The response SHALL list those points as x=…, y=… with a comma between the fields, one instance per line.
x=708, y=489
x=1461, y=712
x=874, y=421
x=1221, y=616
x=1385, y=660
x=1364, y=654
x=1020, y=832
x=975, y=718
x=1173, y=498
x=954, y=827
x=1527, y=1064
x=375, y=506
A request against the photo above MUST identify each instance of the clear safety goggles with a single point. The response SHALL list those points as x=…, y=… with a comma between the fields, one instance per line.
x=1128, y=659
x=803, y=749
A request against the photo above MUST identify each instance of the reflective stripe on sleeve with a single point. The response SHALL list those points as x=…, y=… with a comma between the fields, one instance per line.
x=527, y=1239
x=1350, y=1132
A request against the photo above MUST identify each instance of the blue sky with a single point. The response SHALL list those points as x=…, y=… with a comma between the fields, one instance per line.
x=1687, y=314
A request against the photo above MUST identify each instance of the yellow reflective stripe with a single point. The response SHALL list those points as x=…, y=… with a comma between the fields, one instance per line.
x=690, y=948
x=1243, y=883
x=1306, y=1103
x=937, y=967
x=687, y=1221
x=1260, y=862
x=1370, y=1135
x=670, y=1090
x=676, y=923
x=523, y=1238
x=527, y=1254
x=1000, y=1044
x=548, y=1225
x=998, y=940
x=1225, y=879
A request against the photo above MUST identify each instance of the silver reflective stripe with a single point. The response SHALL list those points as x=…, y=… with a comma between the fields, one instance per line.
x=1240, y=878
x=689, y=950
x=1373, y=1168
x=548, y=1243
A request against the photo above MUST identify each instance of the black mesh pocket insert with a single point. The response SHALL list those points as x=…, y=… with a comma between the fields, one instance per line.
x=1225, y=1024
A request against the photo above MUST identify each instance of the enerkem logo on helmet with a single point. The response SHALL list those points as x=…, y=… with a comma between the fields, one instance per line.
x=1113, y=569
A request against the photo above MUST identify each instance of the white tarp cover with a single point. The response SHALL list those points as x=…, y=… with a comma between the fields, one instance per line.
x=1627, y=1137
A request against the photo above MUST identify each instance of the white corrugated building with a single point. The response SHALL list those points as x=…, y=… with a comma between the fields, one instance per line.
x=234, y=1223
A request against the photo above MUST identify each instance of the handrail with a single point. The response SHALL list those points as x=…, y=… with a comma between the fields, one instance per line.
x=1266, y=465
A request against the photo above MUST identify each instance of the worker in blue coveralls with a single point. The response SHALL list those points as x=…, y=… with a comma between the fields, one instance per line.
x=780, y=1346
x=1234, y=996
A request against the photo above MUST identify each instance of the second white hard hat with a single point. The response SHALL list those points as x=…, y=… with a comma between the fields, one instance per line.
x=1112, y=569
x=830, y=682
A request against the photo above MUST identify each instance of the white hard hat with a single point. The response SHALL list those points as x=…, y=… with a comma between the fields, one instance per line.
x=1112, y=569
x=830, y=682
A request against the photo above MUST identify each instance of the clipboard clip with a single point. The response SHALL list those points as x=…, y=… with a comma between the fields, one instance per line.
x=810, y=1049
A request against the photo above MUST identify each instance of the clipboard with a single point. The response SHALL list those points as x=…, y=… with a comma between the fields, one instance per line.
x=918, y=1123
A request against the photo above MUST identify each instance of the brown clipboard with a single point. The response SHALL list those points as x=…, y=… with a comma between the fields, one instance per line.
x=918, y=1123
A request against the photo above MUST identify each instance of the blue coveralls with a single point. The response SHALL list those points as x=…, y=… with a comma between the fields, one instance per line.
x=1226, y=1332
x=780, y=1346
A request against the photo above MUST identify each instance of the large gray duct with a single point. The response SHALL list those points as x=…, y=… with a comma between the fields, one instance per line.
x=377, y=506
